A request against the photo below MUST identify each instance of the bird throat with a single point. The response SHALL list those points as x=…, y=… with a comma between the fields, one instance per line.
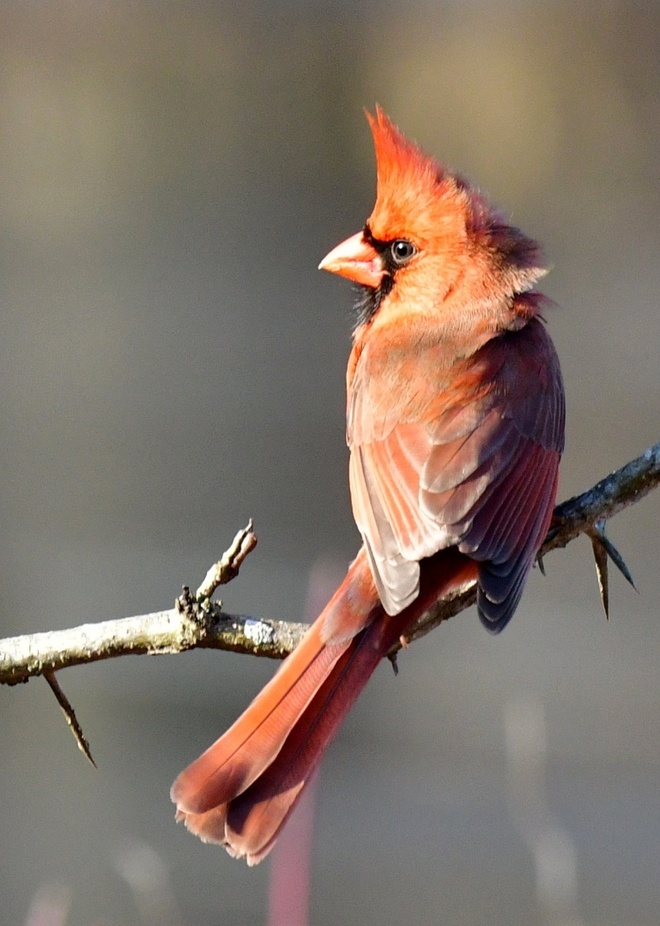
x=367, y=299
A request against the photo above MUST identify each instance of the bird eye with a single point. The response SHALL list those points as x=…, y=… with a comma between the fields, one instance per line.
x=401, y=251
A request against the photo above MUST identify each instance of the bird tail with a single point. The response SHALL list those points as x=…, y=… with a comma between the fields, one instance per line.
x=240, y=792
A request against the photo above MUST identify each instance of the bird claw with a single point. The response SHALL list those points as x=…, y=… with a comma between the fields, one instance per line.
x=604, y=549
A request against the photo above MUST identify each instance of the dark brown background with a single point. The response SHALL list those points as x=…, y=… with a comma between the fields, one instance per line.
x=172, y=363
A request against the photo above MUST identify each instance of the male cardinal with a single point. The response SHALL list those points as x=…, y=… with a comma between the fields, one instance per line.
x=455, y=423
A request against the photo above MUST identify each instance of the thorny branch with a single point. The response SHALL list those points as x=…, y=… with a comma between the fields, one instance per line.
x=197, y=621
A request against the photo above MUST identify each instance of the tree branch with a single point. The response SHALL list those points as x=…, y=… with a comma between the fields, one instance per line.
x=198, y=622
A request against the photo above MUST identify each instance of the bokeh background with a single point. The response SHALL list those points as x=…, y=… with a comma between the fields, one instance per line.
x=172, y=363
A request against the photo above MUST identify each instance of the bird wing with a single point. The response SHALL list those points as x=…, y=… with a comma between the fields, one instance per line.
x=465, y=456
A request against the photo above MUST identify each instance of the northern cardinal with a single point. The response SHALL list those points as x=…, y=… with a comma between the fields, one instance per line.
x=455, y=423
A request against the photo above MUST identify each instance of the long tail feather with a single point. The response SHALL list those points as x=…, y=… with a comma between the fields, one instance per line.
x=241, y=791
x=235, y=760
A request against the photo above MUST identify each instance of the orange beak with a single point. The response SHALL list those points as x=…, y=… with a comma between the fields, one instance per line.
x=356, y=260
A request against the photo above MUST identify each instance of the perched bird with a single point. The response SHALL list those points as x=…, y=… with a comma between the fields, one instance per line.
x=455, y=423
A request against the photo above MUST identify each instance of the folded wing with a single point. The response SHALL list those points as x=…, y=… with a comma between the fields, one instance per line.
x=469, y=458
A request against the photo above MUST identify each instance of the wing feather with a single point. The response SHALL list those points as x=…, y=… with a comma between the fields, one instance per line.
x=469, y=458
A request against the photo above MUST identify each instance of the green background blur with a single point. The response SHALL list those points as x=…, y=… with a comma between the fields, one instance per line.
x=171, y=363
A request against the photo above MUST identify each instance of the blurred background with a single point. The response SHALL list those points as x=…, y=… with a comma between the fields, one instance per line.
x=172, y=363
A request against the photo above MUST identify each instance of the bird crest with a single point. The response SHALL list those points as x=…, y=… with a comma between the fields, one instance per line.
x=419, y=199
x=415, y=196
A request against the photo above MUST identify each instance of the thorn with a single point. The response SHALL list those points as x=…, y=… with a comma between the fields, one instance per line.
x=395, y=665
x=603, y=548
x=70, y=715
x=600, y=560
x=599, y=531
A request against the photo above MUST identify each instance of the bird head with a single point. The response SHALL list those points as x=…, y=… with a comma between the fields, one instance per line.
x=432, y=241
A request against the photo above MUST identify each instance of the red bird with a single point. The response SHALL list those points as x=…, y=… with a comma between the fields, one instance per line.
x=455, y=423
